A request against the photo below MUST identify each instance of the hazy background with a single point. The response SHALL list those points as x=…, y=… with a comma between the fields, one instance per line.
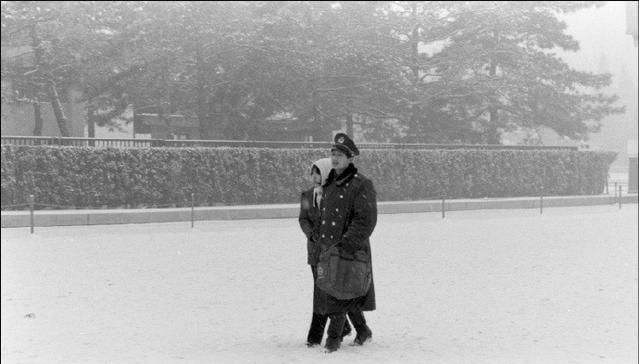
x=605, y=47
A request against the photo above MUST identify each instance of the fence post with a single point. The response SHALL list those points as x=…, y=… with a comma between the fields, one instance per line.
x=443, y=206
x=620, y=187
x=607, y=192
x=31, y=206
x=192, y=211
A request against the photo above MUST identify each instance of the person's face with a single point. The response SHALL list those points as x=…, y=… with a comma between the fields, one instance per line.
x=340, y=160
x=317, y=179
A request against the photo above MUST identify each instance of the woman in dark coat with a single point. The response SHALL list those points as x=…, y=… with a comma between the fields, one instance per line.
x=348, y=218
x=309, y=222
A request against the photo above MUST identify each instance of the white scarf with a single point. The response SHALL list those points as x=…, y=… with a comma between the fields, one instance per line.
x=318, y=193
x=324, y=165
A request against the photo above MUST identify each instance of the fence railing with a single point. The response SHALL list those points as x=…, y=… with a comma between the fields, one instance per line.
x=150, y=143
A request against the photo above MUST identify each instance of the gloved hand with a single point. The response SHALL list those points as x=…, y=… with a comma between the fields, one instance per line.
x=349, y=248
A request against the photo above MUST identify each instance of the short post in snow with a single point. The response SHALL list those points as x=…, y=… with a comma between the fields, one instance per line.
x=620, y=187
x=541, y=201
x=192, y=211
x=443, y=206
x=607, y=191
x=31, y=207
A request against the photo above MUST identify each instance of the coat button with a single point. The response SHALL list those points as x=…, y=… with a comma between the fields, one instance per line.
x=333, y=223
x=323, y=236
x=341, y=196
x=337, y=210
x=323, y=222
x=331, y=236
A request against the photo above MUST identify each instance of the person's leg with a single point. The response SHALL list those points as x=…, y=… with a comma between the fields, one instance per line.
x=334, y=332
x=318, y=321
x=364, y=333
x=316, y=331
x=347, y=329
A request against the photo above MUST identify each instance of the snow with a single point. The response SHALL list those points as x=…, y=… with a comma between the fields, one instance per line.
x=498, y=286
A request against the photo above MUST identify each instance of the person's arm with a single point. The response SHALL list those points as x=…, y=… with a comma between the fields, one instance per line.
x=304, y=219
x=364, y=218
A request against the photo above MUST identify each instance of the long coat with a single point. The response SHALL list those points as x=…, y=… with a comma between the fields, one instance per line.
x=348, y=217
x=309, y=222
x=309, y=218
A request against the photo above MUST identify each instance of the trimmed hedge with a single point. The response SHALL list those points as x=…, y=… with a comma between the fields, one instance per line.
x=85, y=177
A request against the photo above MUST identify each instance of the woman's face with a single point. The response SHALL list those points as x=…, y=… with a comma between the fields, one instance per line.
x=315, y=176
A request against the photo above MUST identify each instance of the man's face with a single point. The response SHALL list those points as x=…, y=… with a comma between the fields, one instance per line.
x=340, y=160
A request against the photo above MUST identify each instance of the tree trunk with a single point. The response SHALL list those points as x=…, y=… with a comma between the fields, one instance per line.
x=37, y=116
x=37, y=52
x=415, y=69
x=91, y=123
x=317, y=117
x=492, y=136
x=52, y=92
x=201, y=103
x=349, y=126
x=57, y=109
x=415, y=47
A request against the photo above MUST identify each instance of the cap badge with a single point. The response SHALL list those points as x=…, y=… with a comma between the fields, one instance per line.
x=340, y=140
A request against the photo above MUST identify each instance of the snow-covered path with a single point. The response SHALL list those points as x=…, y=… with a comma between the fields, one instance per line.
x=499, y=286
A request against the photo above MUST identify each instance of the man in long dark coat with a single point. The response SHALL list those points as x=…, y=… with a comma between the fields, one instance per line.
x=348, y=217
x=309, y=219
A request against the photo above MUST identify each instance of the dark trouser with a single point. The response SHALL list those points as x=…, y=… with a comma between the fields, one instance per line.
x=315, y=333
x=318, y=322
x=338, y=321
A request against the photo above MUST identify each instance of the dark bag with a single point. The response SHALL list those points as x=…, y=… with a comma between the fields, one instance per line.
x=343, y=275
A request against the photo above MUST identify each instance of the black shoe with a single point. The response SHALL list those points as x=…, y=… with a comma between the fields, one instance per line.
x=332, y=344
x=363, y=337
x=312, y=344
x=346, y=331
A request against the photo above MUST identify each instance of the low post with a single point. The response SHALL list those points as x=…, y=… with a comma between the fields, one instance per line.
x=31, y=206
x=192, y=211
x=607, y=192
x=620, y=187
x=443, y=206
x=541, y=204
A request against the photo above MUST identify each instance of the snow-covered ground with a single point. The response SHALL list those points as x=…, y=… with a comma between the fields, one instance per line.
x=500, y=286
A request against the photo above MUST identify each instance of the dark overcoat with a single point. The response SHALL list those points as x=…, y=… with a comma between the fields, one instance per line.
x=348, y=218
x=309, y=222
x=309, y=218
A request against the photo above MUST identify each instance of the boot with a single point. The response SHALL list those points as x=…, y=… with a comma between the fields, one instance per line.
x=335, y=328
x=363, y=337
x=332, y=344
x=364, y=333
